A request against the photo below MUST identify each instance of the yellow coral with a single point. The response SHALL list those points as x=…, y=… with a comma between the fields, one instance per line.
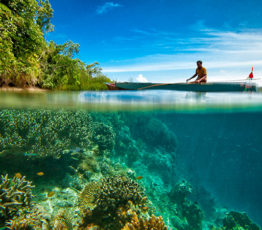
x=88, y=164
x=92, y=227
x=15, y=194
x=87, y=196
x=153, y=222
x=62, y=221
x=29, y=219
x=111, y=202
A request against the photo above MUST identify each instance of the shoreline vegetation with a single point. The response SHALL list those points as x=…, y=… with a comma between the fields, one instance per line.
x=28, y=61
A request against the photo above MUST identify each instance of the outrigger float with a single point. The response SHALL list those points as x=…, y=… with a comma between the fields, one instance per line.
x=206, y=87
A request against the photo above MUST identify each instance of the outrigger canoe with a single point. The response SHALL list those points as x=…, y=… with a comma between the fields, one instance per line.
x=207, y=87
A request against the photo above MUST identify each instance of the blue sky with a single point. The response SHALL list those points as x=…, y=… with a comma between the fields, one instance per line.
x=160, y=40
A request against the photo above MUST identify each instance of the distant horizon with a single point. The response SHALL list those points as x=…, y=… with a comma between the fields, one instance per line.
x=160, y=40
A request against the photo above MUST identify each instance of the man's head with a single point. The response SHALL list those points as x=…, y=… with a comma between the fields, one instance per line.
x=199, y=64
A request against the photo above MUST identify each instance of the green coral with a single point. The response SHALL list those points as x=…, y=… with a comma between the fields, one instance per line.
x=236, y=221
x=180, y=191
x=15, y=194
x=44, y=132
x=103, y=136
x=152, y=130
x=188, y=214
x=193, y=214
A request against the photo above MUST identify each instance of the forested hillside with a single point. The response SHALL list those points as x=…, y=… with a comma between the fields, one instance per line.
x=27, y=59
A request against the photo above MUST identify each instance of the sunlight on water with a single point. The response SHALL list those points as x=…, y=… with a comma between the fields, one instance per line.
x=136, y=100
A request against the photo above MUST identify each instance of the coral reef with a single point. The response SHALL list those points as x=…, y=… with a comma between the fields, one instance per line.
x=108, y=202
x=117, y=191
x=103, y=136
x=15, y=194
x=180, y=191
x=236, y=220
x=90, y=165
x=152, y=131
x=87, y=196
x=95, y=169
x=44, y=132
x=193, y=214
x=153, y=222
x=188, y=214
x=30, y=219
x=62, y=221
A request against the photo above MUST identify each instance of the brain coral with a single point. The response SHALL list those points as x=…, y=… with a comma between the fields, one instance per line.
x=105, y=203
x=14, y=194
x=117, y=191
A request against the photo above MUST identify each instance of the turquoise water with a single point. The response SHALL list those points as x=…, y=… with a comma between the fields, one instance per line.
x=93, y=157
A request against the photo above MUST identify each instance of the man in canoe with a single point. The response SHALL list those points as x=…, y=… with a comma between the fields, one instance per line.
x=201, y=74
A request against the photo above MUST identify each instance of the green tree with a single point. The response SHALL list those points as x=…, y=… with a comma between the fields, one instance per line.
x=7, y=28
x=44, y=16
x=27, y=59
x=24, y=40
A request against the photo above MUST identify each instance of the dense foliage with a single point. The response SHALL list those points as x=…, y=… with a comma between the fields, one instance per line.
x=27, y=59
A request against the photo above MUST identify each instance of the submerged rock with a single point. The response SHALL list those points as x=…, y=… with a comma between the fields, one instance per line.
x=236, y=220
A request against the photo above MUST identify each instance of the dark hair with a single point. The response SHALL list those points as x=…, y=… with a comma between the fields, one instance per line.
x=199, y=62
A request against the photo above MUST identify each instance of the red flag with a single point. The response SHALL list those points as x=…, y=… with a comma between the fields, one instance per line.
x=251, y=74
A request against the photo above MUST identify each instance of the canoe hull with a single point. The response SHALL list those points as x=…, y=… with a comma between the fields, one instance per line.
x=208, y=87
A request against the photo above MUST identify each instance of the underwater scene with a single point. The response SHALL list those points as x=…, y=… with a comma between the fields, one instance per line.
x=130, y=160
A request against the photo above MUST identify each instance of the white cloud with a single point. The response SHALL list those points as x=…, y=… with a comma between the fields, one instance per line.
x=181, y=66
x=233, y=53
x=141, y=78
x=106, y=7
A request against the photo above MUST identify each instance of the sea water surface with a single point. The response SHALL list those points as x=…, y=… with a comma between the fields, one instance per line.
x=197, y=155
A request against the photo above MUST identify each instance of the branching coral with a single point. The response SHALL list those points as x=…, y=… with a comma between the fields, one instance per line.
x=153, y=222
x=44, y=132
x=62, y=221
x=30, y=220
x=106, y=203
x=48, y=133
x=14, y=194
x=91, y=166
